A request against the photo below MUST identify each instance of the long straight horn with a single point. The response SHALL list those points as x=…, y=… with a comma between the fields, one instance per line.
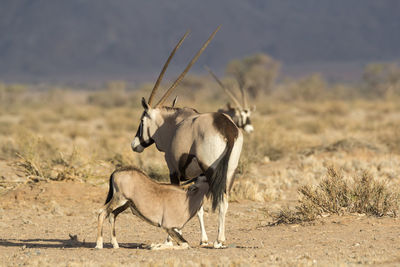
x=244, y=96
x=175, y=84
x=227, y=91
x=153, y=92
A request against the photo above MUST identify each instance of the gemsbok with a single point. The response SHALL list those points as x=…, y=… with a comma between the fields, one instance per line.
x=242, y=112
x=162, y=205
x=194, y=144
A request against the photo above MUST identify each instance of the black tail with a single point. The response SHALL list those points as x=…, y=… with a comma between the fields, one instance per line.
x=217, y=178
x=110, y=190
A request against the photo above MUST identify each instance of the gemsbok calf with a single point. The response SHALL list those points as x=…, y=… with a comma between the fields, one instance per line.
x=242, y=112
x=162, y=205
x=194, y=144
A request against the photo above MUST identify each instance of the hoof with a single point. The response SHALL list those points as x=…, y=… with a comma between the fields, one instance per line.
x=204, y=244
x=98, y=247
x=169, y=246
x=182, y=246
x=115, y=246
x=166, y=245
x=219, y=245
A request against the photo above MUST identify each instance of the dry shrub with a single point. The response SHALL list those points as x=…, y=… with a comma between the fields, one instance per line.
x=258, y=72
x=41, y=160
x=114, y=95
x=335, y=195
x=390, y=137
x=381, y=79
x=69, y=167
x=309, y=89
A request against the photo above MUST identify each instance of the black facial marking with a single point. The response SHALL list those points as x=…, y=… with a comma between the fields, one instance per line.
x=139, y=133
x=248, y=121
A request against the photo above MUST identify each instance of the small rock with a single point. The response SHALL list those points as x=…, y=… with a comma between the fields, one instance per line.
x=55, y=208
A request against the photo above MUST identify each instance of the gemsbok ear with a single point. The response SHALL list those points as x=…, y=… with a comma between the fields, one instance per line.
x=253, y=108
x=144, y=104
x=174, y=102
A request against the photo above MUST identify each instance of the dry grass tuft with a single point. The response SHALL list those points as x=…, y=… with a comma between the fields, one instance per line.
x=335, y=195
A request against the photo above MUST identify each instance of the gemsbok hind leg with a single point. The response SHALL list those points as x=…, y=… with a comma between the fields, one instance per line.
x=103, y=214
x=204, y=238
x=113, y=217
x=223, y=205
x=100, y=220
x=223, y=208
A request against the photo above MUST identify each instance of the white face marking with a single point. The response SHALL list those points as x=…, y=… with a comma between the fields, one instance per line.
x=248, y=128
x=136, y=145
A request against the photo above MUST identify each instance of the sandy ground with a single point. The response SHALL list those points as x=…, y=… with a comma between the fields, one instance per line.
x=54, y=224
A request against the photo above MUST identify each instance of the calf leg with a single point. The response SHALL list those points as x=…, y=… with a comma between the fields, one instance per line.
x=175, y=180
x=104, y=213
x=113, y=217
x=100, y=220
x=176, y=235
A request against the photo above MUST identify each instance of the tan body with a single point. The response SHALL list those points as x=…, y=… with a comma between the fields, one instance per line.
x=162, y=205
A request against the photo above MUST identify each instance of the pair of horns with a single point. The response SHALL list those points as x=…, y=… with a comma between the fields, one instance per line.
x=230, y=93
x=175, y=84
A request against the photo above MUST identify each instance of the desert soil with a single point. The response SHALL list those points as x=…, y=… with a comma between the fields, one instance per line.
x=54, y=223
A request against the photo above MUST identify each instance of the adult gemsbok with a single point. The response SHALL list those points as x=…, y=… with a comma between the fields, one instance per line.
x=194, y=144
x=241, y=113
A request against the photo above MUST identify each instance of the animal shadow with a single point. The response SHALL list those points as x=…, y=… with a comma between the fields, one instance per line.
x=72, y=242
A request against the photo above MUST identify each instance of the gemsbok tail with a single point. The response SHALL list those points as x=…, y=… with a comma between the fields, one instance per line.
x=217, y=177
x=111, y=189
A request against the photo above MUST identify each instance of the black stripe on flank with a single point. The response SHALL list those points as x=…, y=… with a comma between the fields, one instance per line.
x=226, y=127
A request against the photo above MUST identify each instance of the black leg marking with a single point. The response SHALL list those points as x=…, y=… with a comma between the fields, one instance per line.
x=176, y=236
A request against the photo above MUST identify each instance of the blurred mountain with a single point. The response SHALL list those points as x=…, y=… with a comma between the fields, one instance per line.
x=102, y=39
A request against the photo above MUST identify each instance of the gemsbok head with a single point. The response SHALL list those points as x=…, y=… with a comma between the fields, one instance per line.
x=241, y=113
x=194, y=144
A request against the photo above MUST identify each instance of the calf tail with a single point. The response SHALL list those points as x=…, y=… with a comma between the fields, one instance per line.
x=111, y=189
x=217, y=178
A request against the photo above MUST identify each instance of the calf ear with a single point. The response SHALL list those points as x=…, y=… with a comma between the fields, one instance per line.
x=144, y=104
x=193, y=188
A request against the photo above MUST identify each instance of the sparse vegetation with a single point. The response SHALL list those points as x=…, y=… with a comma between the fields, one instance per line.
x=301, y=127
x=336, y=195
